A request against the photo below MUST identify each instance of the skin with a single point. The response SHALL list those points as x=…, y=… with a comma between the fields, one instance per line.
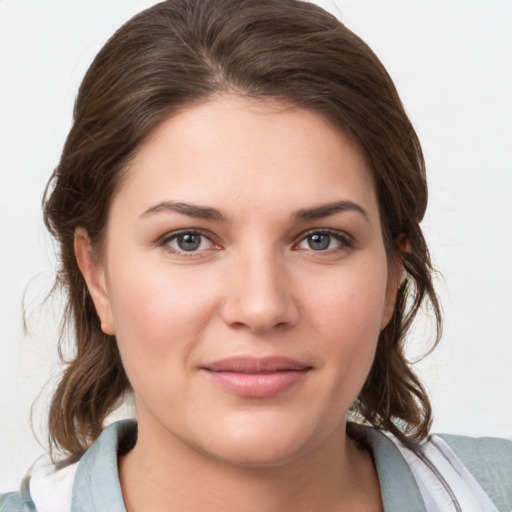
x=255, y=286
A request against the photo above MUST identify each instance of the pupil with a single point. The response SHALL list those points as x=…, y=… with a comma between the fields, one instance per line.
x=189, y=242
x=319, y=242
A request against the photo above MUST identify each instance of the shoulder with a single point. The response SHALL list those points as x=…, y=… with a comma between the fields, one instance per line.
x=444, y=471
x=44, y=488
x=19, y=501
x=491, y=452
x=489, y=460
x=15, y=502
x=91, y=482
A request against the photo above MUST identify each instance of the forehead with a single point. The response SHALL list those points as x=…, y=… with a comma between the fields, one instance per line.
x=234, y=148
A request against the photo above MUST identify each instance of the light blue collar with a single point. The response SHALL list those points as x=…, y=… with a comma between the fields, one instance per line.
x=97, y=488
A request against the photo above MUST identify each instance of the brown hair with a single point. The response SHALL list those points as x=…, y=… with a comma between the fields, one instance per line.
x=181, y=52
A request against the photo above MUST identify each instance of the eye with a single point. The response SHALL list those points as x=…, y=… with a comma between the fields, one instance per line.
x=324, y=241
x=187, y=242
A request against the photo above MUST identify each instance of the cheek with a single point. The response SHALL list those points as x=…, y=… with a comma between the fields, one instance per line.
x=159, y=314
x=352, y=300
x=346, y=320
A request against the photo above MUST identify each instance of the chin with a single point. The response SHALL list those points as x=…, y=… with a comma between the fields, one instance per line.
x=261, y=443
x=256, y=453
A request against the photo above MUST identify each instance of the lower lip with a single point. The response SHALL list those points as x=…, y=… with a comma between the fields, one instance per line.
x=257, y=385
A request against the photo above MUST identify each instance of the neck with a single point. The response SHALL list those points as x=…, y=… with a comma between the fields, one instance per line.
x=173, y=476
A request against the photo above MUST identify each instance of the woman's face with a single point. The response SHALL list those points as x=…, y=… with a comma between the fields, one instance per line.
x=245, y=278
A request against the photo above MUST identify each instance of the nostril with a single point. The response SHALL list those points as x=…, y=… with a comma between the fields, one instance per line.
x=238, y=325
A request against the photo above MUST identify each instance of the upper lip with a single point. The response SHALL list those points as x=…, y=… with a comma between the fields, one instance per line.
x=248, y=364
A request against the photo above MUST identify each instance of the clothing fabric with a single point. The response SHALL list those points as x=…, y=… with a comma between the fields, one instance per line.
x=447, y=473
x=444, y=482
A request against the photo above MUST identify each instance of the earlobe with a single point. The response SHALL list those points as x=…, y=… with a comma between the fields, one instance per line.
x=94, y=275
x=386, y=316
x=395, y=276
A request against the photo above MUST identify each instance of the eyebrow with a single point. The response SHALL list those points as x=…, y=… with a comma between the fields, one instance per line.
x=199, y=212
x=202, y=212
x=324, y=210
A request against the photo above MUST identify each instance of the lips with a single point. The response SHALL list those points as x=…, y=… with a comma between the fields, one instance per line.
x=256, y=377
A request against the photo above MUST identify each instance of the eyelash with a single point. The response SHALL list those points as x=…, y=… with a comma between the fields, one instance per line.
x=169, y=237
x=346, y=242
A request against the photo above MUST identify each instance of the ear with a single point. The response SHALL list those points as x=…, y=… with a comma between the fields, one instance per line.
x=95, y=278
x=395, y=275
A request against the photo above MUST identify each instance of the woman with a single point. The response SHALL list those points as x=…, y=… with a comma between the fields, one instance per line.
x=237, y=207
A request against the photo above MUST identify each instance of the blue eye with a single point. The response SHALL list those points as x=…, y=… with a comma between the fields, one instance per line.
x=319, y=241
x=324, y=241
x=188, y=241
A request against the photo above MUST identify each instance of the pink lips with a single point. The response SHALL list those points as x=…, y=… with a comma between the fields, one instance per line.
x=256, y=377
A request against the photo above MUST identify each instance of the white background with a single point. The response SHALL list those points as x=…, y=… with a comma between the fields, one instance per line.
x=452, y=63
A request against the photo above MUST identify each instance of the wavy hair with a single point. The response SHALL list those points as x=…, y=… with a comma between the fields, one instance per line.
x=182, y=52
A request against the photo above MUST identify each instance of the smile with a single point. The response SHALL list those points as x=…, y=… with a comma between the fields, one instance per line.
x=256, y=377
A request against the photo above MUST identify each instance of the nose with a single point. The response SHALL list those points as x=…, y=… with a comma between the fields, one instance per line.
x=259, y=295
